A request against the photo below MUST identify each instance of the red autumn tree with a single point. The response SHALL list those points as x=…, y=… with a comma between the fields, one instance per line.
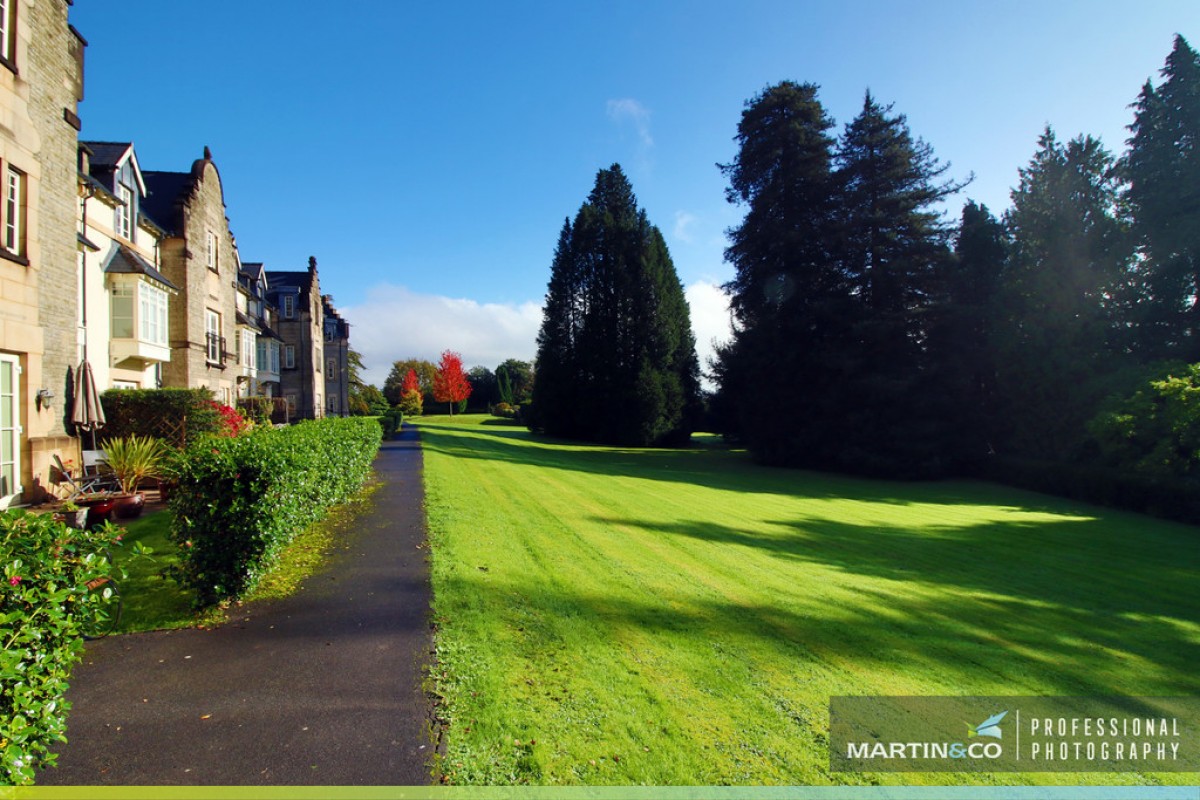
x=412, y=402
x=450, y=385
x=411, y=383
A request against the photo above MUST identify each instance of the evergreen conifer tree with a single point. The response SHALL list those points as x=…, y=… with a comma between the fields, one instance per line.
x=1070, y=250
x=616, y=355
x=788, y=295
x=893, y=247
x=1163, y=168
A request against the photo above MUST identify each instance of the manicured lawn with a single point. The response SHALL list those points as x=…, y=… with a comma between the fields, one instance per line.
x=611, y=616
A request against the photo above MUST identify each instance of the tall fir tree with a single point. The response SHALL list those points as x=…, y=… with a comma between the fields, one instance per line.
x=893, y=247
x=1070, y=250
x=1163, y=168
x=788, y=296
x=963, y=338
x=616, y=355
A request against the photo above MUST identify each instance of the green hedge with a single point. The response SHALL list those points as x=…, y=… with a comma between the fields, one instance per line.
x=391, y=420
x=241, y=500
x=179, y=416
x=46, y=570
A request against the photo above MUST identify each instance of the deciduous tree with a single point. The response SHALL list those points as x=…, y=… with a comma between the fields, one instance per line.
x=450, y=384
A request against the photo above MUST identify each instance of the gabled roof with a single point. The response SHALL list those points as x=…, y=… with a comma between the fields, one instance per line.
x=122, y=260
x=107, y=157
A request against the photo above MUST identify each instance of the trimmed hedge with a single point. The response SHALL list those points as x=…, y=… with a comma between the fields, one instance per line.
x=241, y=500
x=46, y=570
x=391, y=420
x=179, y=416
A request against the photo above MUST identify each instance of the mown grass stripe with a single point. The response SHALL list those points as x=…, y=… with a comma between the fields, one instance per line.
x=705, y=608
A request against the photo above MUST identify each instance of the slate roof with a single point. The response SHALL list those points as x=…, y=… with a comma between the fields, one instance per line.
x=125, y=261
x=106, y=154
x=165, y=193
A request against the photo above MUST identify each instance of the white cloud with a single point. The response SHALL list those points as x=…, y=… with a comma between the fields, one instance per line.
x=396, y=322
x=629, y=110
x=710, y=317
x=683, y=224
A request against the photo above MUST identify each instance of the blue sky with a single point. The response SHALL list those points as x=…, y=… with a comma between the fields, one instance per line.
x=427, y=153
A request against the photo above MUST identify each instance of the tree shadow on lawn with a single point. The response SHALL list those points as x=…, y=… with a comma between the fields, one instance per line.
x=902, y=644
x=719, y=469
x=1060, y=591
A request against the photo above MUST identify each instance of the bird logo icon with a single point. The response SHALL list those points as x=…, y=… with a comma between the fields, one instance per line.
x=989, y=727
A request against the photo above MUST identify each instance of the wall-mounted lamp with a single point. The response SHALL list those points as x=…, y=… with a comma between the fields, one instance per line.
x=44, y=396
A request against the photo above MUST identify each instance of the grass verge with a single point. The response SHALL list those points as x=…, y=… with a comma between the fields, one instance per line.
x=620, y=616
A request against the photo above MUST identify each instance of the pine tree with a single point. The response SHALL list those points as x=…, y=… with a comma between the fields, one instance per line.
x=1070, y=249
x=616, y=356
x=1163, y=167
x=963, y=337
x=893, y=246
x=788, y=293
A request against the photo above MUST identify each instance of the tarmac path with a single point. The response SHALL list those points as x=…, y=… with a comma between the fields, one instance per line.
x=321, y=688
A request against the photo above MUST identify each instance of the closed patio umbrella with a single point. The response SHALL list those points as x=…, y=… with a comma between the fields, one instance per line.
x=87, y=414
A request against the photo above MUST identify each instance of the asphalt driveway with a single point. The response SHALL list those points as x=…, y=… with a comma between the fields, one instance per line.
x=323, y=687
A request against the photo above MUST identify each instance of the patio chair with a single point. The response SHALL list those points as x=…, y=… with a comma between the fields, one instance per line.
x=85, y=484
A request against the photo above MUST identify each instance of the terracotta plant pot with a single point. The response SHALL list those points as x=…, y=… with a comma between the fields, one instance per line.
x=129, y=506
x=99, y=509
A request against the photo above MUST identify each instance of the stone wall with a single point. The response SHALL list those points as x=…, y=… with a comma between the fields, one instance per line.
x=184, y=262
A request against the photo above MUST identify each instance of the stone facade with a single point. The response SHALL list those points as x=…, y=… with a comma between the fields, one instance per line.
x=297, y=296
x=41, y=83
x=337, y=361
x=199, y=256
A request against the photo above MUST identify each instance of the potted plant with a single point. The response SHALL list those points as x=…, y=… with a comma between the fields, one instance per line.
x=73, y=515
x=132, y=459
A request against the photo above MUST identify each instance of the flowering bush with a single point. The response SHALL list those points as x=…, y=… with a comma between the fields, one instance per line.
x=232, y=423
x=44, y=598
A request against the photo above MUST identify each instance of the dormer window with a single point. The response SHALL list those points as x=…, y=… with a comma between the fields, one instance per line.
x=289, y=306
x=124, y=222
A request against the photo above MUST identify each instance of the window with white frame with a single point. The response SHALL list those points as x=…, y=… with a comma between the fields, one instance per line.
x=210, y=250
x=121, y=311
x=249, y=351
x=331, y=368
x=260, y=353
x=212, y=336
x=152, y=313
x=8, y=30
x=273, y=353
x=290, y=399
x=124, y=221
x=289, y=356
x=10, y=426
x=14, y=211
x=333, y=404
x=289, y=306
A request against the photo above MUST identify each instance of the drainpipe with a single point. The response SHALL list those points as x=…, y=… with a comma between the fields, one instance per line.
x=88, y=193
